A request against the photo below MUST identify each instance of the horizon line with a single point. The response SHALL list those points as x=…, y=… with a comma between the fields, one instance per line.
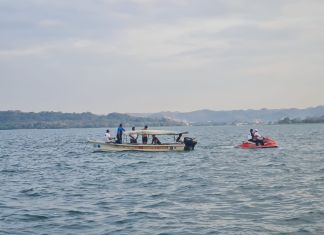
x=132, y=113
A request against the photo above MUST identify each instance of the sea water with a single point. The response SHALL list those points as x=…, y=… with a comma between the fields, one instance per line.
x=53, y=183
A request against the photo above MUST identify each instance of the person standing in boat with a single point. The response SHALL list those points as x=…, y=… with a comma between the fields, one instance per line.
x=108, y=138
x=133, y=136
x=119, y=136
x=144, y=136
x=179, y=139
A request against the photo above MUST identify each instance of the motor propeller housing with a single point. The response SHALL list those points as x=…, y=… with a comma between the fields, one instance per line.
x=190, y=143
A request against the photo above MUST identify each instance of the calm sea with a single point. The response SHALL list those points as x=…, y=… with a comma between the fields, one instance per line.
x=52, y=183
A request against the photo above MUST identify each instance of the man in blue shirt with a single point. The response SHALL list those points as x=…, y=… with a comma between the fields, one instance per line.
x=120, y=131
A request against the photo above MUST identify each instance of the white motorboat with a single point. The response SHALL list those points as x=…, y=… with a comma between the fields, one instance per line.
x=186, y=145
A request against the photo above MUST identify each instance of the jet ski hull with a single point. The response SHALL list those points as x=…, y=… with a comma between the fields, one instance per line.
x=268, y=143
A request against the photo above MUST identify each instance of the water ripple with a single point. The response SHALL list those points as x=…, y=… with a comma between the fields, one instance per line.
x=52, y=183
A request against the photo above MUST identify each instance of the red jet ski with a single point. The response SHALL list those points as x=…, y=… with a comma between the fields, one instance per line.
x=268, y=143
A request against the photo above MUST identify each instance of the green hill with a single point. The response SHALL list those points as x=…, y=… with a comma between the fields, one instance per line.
x=53, y=120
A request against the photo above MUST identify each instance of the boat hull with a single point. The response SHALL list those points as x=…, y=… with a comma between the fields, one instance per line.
x=268, y=143
x=107, y=147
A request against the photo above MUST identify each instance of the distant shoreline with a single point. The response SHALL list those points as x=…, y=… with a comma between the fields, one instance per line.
x=56, y=120
x=193, y=124
x=10, y=120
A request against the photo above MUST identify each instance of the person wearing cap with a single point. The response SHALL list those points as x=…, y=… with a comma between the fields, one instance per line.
x=108, y=136
x=119, y=136
x=144, y=136
x=133, y=136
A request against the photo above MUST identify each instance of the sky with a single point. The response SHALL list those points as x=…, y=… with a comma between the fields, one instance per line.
x=130, y=56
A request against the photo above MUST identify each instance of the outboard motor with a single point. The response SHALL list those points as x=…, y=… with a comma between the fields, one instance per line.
x=190, y=143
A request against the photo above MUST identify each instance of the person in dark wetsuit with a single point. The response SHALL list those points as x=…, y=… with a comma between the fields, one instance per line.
x=119, y=136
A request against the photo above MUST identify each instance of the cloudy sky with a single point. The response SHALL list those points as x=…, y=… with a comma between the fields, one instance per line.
x=108, y=56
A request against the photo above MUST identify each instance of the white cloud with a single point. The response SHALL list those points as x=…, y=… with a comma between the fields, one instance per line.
x=204, y=47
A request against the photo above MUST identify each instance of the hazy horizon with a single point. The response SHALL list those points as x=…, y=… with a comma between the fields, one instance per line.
x=161, y=111
x=145, y=56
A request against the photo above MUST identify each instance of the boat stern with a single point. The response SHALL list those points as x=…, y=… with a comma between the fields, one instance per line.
x=190, y=143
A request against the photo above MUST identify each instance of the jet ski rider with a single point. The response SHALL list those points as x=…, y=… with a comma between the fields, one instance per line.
x=251, y=135
x=257, y=138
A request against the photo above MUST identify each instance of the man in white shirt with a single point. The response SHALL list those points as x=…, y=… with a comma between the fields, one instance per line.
x=108, y=138
x=133, y=137
x=258, y=138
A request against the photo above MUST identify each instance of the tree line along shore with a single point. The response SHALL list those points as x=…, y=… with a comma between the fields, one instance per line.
x=58, y=120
